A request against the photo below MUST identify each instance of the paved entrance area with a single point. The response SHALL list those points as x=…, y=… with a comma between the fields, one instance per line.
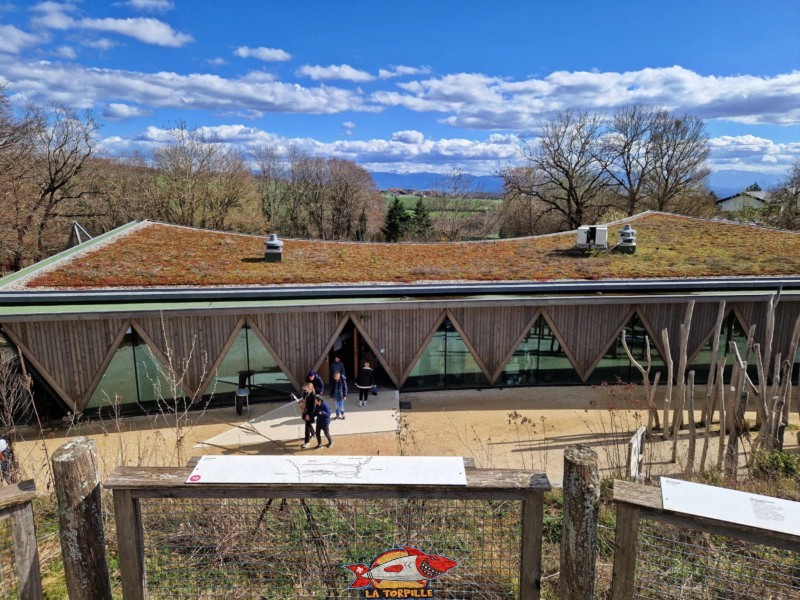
x=381, y=415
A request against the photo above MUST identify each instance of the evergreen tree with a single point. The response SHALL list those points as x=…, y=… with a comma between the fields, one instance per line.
x=396, y=222
x=753, y=188
x=361, y=228
x=421, y=222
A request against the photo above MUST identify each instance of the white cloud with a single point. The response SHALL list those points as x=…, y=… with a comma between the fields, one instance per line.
x=84, y=87
x=478, y=101
x=217, y=62
x=402, y=71
x=66, y=52
x=118, y=112
x=406, y=151
x=752, y=153
x=411, y=151
x=100, y=44
x=148, y=31
x=408, y=137
x=14, y=40
x=262, y=53
x=151, y=5
x=53, y=15
x=343, y=72
x=349, y=125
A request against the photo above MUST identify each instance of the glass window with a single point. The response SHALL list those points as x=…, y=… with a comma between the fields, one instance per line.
x=538, y=360
x=118, y=385
x=152, y=376
x=446, y=363
x=615, y=365
x=249, y=362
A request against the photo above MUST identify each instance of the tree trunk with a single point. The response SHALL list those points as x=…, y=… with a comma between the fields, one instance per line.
x=77, y=486
x=579, y=529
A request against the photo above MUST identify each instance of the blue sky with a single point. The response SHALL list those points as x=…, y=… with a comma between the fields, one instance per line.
x=410, y=86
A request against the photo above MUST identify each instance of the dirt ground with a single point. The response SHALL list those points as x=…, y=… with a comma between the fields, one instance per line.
x=512, y=428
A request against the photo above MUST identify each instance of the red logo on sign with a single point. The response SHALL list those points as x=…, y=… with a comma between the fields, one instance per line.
x=194, y=478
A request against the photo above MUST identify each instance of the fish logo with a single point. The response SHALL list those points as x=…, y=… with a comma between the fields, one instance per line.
x=403, y=568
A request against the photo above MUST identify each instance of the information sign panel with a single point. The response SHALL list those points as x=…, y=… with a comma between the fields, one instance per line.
x=753, y=510
x=357, y=470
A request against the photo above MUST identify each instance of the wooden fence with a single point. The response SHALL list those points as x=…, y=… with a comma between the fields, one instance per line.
x=15, y=505
x=145, y=497
x=664, y=554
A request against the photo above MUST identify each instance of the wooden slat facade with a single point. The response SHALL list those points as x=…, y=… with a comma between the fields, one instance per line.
x=494, y=333
x=401, y=334
x=72, y=354
x=300, y=339
x=587, y=331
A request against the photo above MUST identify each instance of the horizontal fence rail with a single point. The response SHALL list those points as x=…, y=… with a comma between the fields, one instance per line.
x=660, y=554
x=293, y=541
x=20, y=574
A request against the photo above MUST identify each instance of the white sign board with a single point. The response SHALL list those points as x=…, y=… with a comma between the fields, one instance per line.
x=356, y=470
x=753, y=510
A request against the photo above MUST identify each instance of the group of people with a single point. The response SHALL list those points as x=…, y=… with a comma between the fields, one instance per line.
x=316, y=413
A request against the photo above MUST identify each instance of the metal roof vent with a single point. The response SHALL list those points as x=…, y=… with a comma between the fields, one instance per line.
x=273, y=248
x=627, y=240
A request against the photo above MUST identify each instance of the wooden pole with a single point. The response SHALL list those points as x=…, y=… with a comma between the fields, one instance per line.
x=77, y=486
x=530, y=568
x=626, y=538
x=579, y=523
x=692, y=431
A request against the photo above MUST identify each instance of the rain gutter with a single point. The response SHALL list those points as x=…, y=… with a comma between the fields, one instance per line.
x=640, y=287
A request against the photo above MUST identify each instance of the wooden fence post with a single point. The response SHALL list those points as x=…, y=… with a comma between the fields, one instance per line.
x=626, y=536
x=530, y=581
x=80, y=517
x=579, y=524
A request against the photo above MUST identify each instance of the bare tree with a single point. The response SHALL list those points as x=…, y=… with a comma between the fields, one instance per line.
x=782, y=208
x=567, y=176
x=680, y=151
x=457, y=211
x=197, y=180
x=310, y=196
x=628, y=153
x=44, y=159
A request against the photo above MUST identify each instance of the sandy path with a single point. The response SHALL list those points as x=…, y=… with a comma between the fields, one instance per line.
x=522, y=428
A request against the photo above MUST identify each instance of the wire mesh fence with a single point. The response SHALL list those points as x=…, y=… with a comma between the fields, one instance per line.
x=676, y=562
x=9, y=582
x=273, y=548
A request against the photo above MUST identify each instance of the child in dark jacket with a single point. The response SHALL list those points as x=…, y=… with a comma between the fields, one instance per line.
x=322, y=415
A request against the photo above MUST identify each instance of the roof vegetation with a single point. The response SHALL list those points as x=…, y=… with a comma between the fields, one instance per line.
x=669, y=246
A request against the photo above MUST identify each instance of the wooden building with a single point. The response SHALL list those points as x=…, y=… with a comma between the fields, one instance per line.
x=152, y=311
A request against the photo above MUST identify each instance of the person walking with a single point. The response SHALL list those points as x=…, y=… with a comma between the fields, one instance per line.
x=339, y=392
x=314, y=378
x=364, y=383
x=322, y=417
x=5, y=461
x=337, y=366
x=306, y=411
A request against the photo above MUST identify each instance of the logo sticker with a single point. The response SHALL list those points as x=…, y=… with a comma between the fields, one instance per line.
x=403, y=572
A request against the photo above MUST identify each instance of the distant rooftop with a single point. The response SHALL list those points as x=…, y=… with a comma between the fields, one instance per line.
x=157, y=255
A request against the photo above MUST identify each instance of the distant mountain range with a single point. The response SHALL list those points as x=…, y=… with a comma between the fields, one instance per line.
x=723, y=183
x=428, y=181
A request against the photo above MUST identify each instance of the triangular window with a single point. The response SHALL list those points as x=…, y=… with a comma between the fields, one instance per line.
x=446, y=363
x=615, y=366
x=539, y=360
x=248, y=363
x=133, y=376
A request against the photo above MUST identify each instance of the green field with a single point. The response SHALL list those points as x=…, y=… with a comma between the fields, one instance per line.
x=409, y=201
